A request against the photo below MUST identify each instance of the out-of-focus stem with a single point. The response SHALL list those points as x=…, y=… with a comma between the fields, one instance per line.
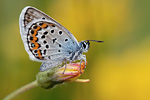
x=21, y=90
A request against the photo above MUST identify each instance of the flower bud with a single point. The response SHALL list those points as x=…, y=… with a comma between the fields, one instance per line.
x=58, y=75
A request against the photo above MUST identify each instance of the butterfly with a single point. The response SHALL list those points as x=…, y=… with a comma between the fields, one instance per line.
x=47, y=41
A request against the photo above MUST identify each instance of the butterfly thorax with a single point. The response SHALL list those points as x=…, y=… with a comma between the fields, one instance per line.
x=75, y=55
x=83, y=47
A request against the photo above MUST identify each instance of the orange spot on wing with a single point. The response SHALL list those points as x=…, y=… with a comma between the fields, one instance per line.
x=36, y=46
x=38, y=27
x=39, y=54
x=51, y=24
x=44, y=25
x=34, y=39
x=35, y=32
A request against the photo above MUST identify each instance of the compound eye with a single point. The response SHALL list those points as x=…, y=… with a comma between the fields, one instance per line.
x=84, y=45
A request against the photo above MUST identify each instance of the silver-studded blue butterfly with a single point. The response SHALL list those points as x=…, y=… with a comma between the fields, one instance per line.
x=47, y=41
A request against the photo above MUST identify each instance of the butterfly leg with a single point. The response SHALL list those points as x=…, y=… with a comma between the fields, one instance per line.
x=65, y=66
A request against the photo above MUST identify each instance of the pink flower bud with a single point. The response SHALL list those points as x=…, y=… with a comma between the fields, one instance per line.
x=71, y=73
x=58, y=75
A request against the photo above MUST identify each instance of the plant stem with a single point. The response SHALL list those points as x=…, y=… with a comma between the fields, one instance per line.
x=21, y=90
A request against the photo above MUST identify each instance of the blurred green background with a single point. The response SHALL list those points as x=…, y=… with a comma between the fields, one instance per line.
x=119, y=69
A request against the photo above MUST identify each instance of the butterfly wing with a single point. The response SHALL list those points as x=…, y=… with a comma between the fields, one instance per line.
x=45, y=40
x=30, y=14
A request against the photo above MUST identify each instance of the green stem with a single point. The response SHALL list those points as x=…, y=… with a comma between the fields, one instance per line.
x=21, y=90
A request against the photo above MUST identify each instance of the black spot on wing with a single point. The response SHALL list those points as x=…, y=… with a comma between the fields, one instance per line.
x=44, y=42
x=59, y=45
x=60, y=32
x=52, y=31
x=66, y=39
x=54, y=40
x=45, y=33
x=35, y=51
x=41, y=24
x=35, y=27
x=45, y=52
x=31, y=38
x=43, y=36
x=47, y=46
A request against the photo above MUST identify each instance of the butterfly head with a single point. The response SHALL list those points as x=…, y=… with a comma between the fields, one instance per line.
x=85, y=45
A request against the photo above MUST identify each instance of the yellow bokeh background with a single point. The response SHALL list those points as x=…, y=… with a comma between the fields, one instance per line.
x=119, y=68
